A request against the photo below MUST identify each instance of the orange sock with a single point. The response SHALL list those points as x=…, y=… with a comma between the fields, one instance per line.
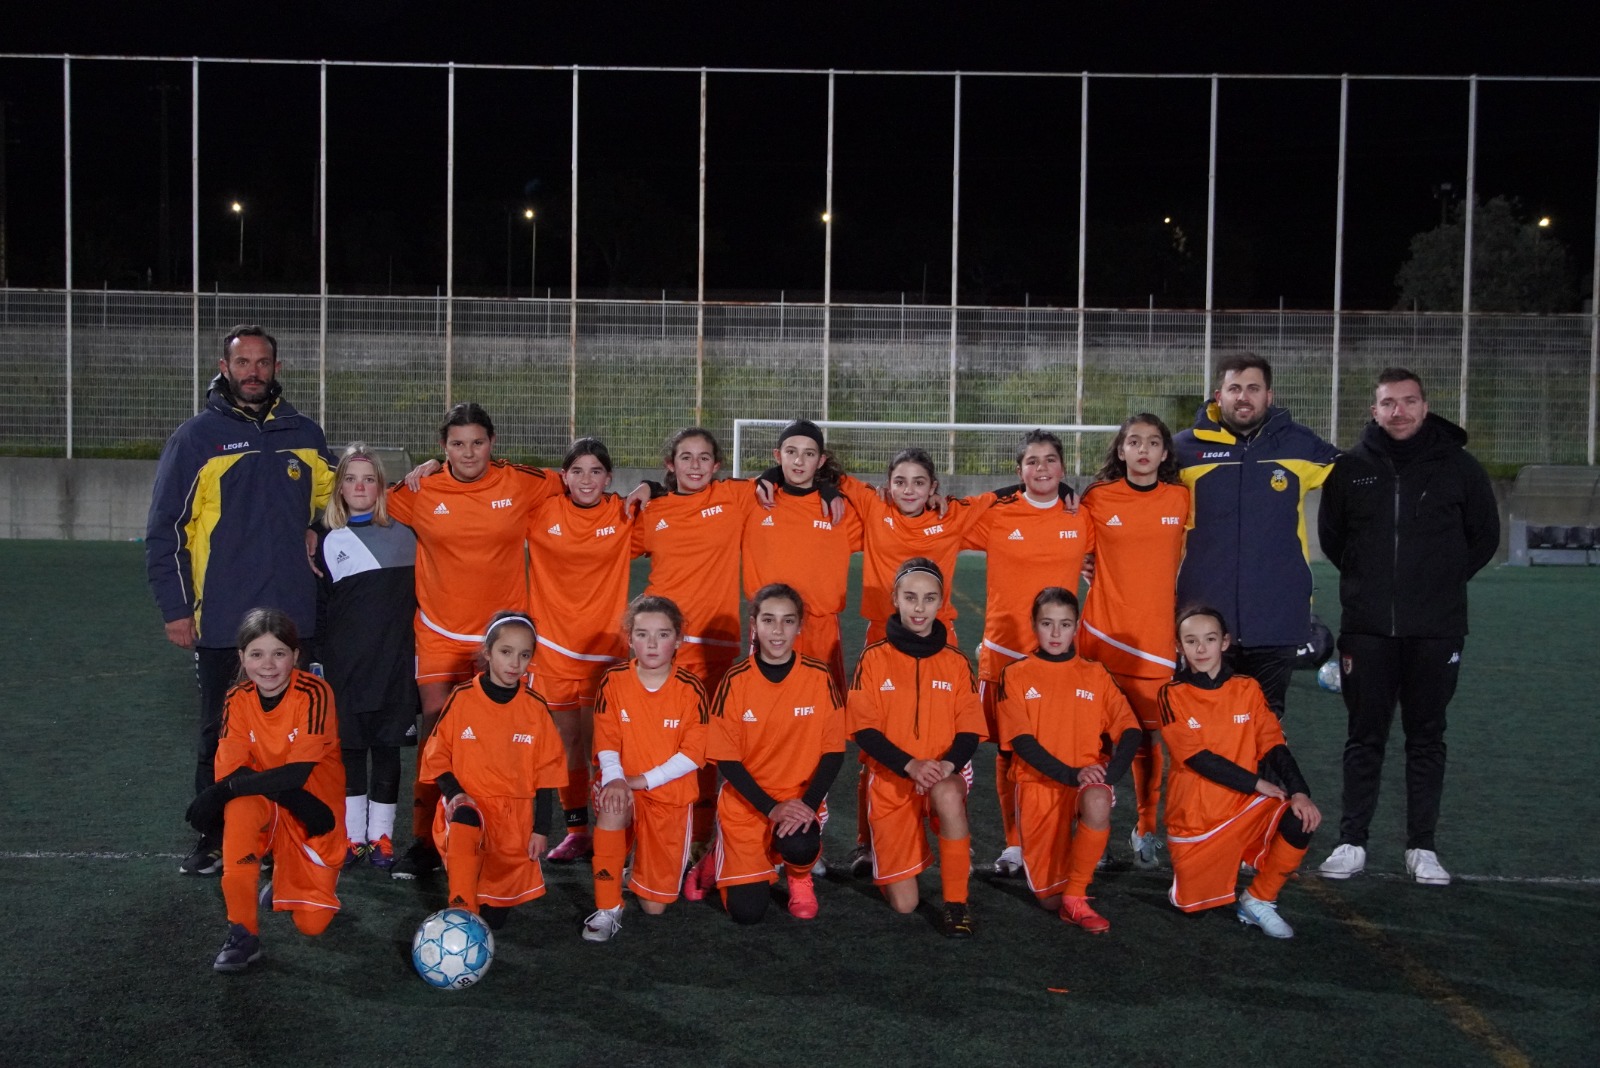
x=1087, y=847
x=463, y=864
x=610, y=852
x=241, y=859
x=1005, y=787
x=955, y=865
x=575, y=796
x=1282, y=861
x=1147, y=767
x=424, y=799
x=863, y=829
x=797, y=871
x=313, y=921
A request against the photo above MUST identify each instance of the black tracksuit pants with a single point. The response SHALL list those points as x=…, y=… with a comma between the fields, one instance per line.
x=1418, y=674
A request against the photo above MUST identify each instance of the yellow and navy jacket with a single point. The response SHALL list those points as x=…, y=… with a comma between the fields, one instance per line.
x=234, y=494
x=1246, y=554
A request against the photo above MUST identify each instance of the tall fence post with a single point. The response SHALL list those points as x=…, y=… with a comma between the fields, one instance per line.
x=1338, y=259
x=322, y=246
x=66, y=162
x=572, y=275
x=827, y=264
x=1211, y=234
x=1594, y=318
x=1083, y=255
x=1466, y=255
x=194, y=224
x=700, y=275
x=955, y=266
x=450, y=239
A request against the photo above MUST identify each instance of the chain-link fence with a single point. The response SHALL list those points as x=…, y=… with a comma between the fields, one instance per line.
x=631, y=372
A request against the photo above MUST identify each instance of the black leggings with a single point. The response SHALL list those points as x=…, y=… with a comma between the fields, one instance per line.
x=385, y=788
x=747, y=902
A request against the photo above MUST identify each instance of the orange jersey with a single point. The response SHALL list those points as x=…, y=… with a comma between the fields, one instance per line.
x=796, y=543
x=301, y=728
x=471, y=538
x=496, y=750
x=646, y=728
x=1138, y=542
x=1029, y=547
x=1232, y=721
x=889, y=539
x=1071, y=707
x=579, y=563
x=777, y=730
x=918, y=704
x=692, y=540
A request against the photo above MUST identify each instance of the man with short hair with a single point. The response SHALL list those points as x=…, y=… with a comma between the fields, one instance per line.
x=1249, y=466
x=1407, y=517
x=237, y=486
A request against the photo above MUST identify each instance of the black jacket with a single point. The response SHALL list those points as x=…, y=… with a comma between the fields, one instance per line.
x=1407, y=538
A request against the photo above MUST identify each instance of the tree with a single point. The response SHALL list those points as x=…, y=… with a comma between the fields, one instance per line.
x=1517, y=265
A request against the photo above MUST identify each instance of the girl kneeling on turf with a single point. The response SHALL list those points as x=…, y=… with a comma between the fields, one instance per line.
x=649, y=740
x=1055, y=709
x=498, y=762
x=777, y=736
x=1235, y=793
x=279, y=789
x=915, y=713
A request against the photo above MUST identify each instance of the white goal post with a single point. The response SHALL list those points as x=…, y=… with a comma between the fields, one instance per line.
x=913, y=429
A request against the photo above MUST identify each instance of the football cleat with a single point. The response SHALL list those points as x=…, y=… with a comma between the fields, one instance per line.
x=1077, y=911
x=602, y=925
x=1263, y=914
x=241, y=950
x=1009, y=862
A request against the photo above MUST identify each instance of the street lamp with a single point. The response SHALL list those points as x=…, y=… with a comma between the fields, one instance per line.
x=533, y=256
x=238, y=209
x=1544, y=222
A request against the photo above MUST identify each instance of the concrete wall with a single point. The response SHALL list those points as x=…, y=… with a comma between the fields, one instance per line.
x=108, y=500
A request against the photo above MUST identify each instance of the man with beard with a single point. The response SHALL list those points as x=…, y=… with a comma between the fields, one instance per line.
x=1249, y=466
x=237, y=486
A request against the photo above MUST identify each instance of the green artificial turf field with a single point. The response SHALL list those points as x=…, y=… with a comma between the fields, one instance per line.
x=105, y=950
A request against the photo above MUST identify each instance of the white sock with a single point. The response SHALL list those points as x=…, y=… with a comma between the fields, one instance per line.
x=355, y=818
x=379, y=821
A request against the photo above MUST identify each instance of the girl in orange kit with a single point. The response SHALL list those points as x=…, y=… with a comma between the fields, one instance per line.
x=1056, y=711
x=1138, y=507
x=497, y=761
x=649, y=740
x=1221, y=807
x=914, y=711
x=279, y=789
x=579, y=549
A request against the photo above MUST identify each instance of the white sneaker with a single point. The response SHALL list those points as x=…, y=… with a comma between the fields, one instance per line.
x=1144, y=849
x=1346, y=861
x=1009, y=862
x=1423, y=866
x=603, y=925
x=1263, y=914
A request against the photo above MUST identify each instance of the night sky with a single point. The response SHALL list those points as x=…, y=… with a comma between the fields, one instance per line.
x=767, y=134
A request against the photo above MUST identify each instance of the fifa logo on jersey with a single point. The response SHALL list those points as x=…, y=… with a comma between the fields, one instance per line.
x=715, y=509
x=1069, y=534
x=604, y=531
x=940, y=684
x=1241, y=717
x=937, y=528
x=888, y=521
x=1087, y=695
x=252, y=737
x=821, y=524
x=671, y=724
x=804, y=710
x=1171, y=520
x=524, y=739
x=506, y=503
x=294, y=734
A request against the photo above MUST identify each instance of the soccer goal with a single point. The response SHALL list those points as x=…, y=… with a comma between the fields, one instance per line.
x=865, y=447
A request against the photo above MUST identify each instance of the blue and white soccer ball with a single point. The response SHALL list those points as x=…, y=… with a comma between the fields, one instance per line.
x=452, y=949
x=1328, y=676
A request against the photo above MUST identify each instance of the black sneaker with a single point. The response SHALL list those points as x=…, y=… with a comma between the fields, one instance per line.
x=421, y=859
x=241, y=950
x=956, y=922
x=204, y=859
x=494, y=916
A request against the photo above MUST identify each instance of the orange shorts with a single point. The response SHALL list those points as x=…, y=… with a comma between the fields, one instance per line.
x=897, y=815
x=441, y=659
x=744, y=851
x=1144, y=696
x=569, y=695
x=1205, y=866
x=305, y=871
x=659, y=836
x=1046, y=815
x=707, y=662
x=508, y=876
